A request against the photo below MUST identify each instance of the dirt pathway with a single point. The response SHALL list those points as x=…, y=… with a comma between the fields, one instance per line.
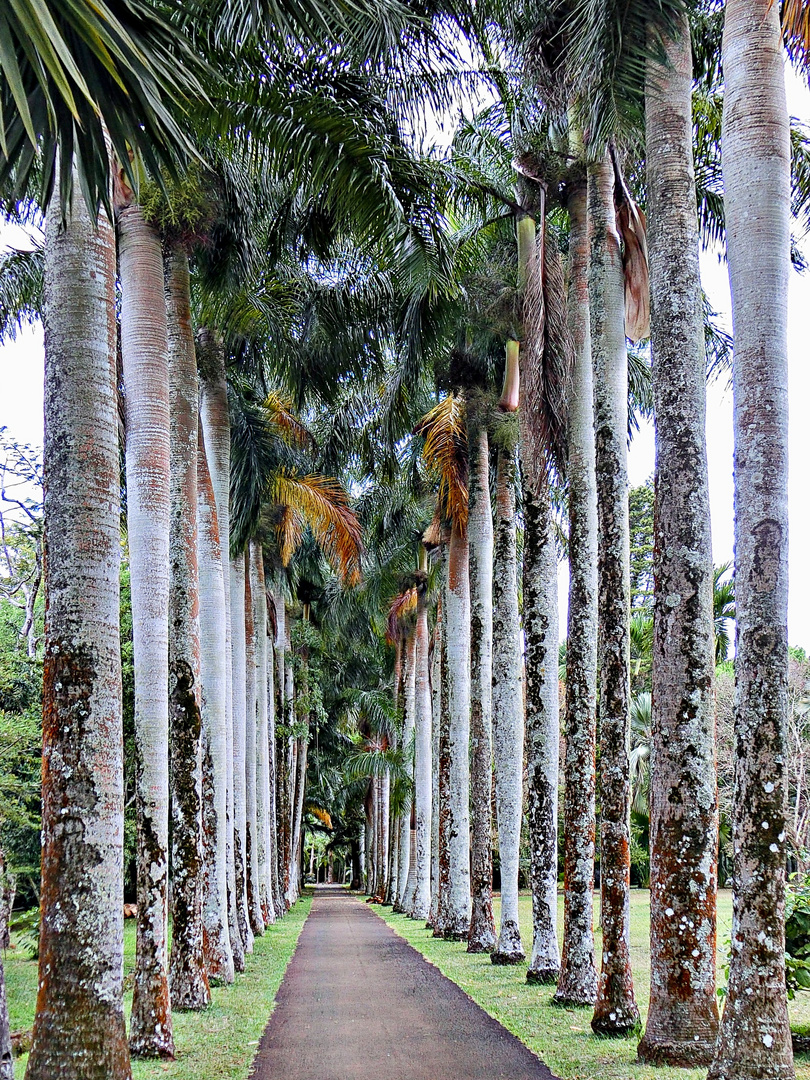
x=358, y=1003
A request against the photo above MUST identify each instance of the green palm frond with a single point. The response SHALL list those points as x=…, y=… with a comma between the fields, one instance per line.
x=21, y=290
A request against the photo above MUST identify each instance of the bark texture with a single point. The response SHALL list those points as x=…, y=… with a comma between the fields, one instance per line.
x=79, y=1031
x=423, y=763
x=455, y=811
x=188, y=979
x=507, y=707
x=259, y=595
x=436, y=689
x=216, y=428
x=251, y=760
x=408, y=728
x=682, y=1021
x=755, y=1034
x=238, y=643
x=144, y=350
x=443, y=768
x=542, y=726
x=481, y=540
x=216, y=933
x=615, y=1012
x=578, y=979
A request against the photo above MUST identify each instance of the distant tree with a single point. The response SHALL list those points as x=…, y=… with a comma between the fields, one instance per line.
x=642, y=511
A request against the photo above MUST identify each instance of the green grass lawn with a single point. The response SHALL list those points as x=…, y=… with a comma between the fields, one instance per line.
x=562, y=1037
x=216, y=1044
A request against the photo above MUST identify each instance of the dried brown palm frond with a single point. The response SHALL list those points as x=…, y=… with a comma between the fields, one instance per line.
x=400, y=608
x=435, y=534
x=445, y=452
x=319, y=814
x=546, y=360
x=321, y=503
x=279, y=409
x=632, y=225
x=796, y=30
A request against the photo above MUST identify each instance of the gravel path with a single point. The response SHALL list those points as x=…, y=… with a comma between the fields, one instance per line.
x=359, y=1003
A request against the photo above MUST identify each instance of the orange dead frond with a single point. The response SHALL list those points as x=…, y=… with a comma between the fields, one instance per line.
x=796, y=29
x=320, y=814
x=400, y=607
x=279, y=412
x=445, y=452
x=632, y=225
x=321, y=503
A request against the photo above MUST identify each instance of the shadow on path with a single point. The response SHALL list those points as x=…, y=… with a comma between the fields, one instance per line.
x=359, y=1003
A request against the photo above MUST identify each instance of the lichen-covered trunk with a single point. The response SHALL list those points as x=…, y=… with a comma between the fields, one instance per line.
x=436, y=708
x=259, y=594
x=542, y=726
x=79, y=1031
x=682, y=1021
x=408, y=728
x=481, y=540
x=188, y=979
x=385, y=804
x=239, y=712
x=578, y=979
x=295, y=853
x=216, y=429
x=455, y=811
x=282, y=762
x=423, y=762
x=443, y=769
x=144, y=351
x=755, y=1034
x=251, y=760
x=216, y=934
x=275, y=899
x=615, y=1012
x=288, y=751
x=507, y=707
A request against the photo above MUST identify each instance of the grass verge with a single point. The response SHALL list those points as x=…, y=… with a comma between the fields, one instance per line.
x=216, y=1044
x=562, y=1037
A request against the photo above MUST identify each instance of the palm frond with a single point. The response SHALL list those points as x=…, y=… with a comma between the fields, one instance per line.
x=21, y=290
x=321, y=503
x=444, y=430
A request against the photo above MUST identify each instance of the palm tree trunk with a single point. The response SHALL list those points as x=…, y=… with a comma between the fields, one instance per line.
x=289, y=755
x=144, y=349
x=542, y=725
x=578, y=979
x=755, y=1034
x=408, y=728
x=282, y=771
x=259, y=593
x=615, y=1012
x=251, y=760
x=423, y=766
x=216, y=934
x=216, y=429
x=481, y=539
x=274, y=896
x=683, y=1018
x=81, y=941
x=188, y=979
x=436, y=687
x=239, y=655
x=300, y=788
x=443, y=767
x=455, y=812
x=507, y=707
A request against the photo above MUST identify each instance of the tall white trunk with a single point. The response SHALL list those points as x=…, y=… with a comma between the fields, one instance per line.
x=144, y=350
x=295, y=851
x=507, y=707
x=272, y=824
x=455, y=916
x=436, y=708
x=188, y=979
x=279, y=758
x=482, y=923
x=423, y=762
x=755, y=1033
x=213, y=681
x=615, y=1012
x=259, y=595
x=408, y=727
x=682, y=1021
x=251, y=759
x=216, y=429
x=237, y=566
x=578, y=979
x=80, y=1010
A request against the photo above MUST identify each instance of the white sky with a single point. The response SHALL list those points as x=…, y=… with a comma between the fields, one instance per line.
x=21, y=392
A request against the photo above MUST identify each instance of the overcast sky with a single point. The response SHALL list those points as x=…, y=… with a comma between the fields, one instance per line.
x=21, y=376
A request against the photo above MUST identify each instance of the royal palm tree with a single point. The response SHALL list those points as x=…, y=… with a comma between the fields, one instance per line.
x=755, y=1032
